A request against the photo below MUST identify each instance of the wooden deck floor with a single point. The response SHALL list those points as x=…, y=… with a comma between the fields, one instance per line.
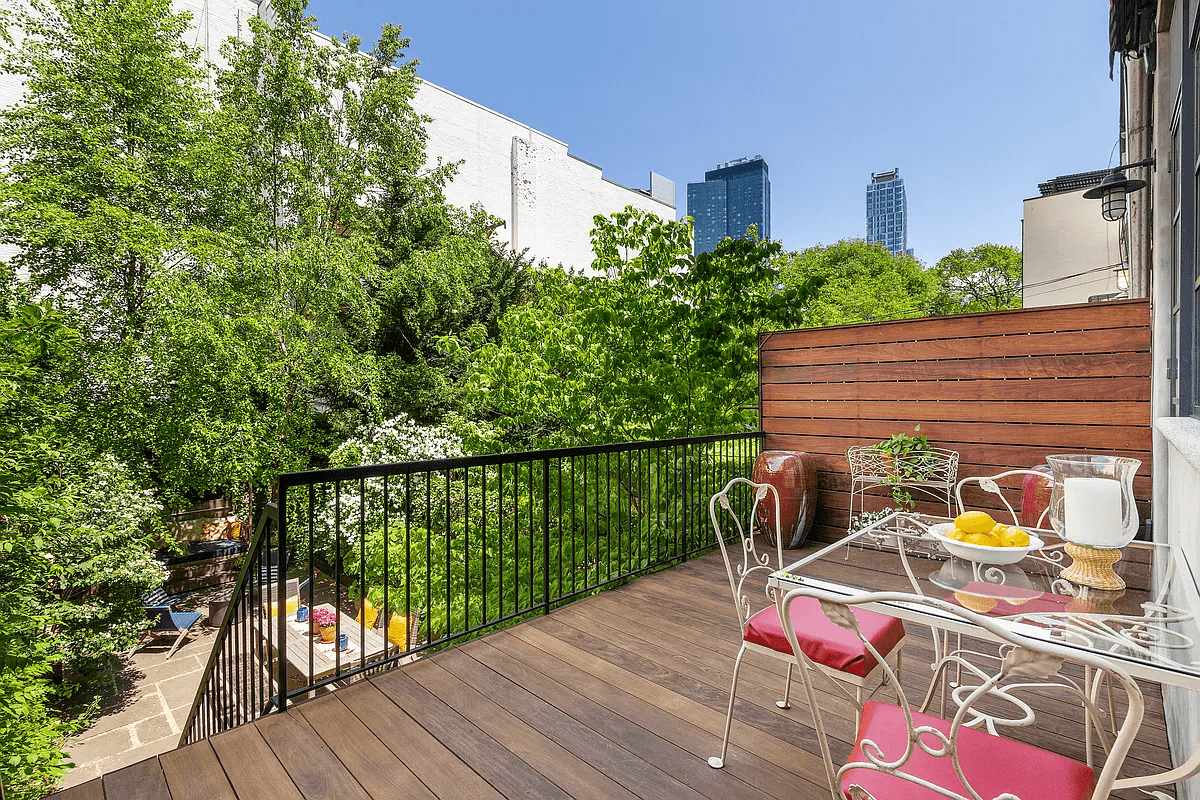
x=621, y=695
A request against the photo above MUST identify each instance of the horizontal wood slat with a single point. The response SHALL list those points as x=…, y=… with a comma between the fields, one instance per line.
x=830, y=452
x=1099, y=414
x=1022, y=345
x=1054, y=437
x=1118, y=413
x=1004, y=389
x=1099, y=390
x=1108, y=365
x=1130, y=314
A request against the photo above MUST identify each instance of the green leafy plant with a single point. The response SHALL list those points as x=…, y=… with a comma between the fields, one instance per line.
x=912, y=460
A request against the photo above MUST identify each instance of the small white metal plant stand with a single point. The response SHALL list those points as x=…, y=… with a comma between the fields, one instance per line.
x=932, y=472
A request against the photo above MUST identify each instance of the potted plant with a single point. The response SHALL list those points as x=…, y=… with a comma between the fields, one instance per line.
x=324, y=622
x=902, y=459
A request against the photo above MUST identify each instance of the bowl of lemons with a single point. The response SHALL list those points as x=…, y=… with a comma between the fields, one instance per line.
x=975, y=536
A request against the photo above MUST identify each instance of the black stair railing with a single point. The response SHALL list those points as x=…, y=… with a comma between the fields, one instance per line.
x=405, y=558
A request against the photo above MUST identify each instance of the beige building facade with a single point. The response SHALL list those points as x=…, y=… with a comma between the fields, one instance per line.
x=1070, y=254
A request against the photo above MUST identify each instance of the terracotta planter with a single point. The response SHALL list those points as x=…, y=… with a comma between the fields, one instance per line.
x=794, y=476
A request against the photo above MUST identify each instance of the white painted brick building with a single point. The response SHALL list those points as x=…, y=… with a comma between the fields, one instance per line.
x=546, y=197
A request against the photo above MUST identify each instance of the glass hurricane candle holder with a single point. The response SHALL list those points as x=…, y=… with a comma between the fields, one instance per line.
x=1092, y=507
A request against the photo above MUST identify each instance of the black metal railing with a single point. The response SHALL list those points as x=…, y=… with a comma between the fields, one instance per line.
x=404, y=558
x=237, y=685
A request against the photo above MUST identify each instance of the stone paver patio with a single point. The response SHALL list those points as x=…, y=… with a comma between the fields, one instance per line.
x=144, y=714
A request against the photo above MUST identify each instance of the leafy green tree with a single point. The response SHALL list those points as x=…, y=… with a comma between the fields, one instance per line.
x=108, y=159
x=660, y=343
x=116, y=179
x=862, y=283
x=986, y=278
x=464, y=282
x=328, y=143
x=335, y=157
x=72, y=560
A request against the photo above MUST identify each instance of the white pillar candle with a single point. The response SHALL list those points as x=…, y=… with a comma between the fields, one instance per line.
x=1093, y=511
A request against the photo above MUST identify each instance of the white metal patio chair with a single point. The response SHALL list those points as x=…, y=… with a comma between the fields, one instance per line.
x=900, y=753
x=836, y=652
x=989, y=484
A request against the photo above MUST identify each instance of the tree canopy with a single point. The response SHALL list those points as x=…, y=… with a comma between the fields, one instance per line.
x=658, y=343
x=985, y=278
x=862, y=283
x=865, y=283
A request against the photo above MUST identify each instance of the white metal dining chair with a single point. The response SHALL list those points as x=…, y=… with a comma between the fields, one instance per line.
x=836, y=652
x=989, y=483
x=902, y=754
x=992, y=485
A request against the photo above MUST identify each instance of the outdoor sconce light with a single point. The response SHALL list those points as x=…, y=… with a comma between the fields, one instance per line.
x=1122, y=278
x=1114, y=190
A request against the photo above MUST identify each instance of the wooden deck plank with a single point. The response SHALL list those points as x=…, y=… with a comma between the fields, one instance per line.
x=141, y=781
x=194, y=773
x=795, y=729
x=251, y=767
x=92, y=790
x=511, y=776
x=782, y=753
x=657, y=767
x=621, y=695
x=373, y=765
x=563, y=683
x=313, y=767
x=442, y=772
x=543, y=747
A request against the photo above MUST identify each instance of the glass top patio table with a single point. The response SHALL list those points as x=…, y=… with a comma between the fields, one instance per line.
x=1150, y=626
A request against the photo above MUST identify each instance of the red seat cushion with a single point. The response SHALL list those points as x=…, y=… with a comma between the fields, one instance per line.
x=993, y=764
x=823, y=641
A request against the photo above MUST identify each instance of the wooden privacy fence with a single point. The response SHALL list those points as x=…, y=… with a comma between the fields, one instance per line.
x=1005, y=389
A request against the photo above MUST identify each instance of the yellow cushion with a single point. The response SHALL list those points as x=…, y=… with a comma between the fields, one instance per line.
x=371, y=612
x=398, y=631
x=289, y=608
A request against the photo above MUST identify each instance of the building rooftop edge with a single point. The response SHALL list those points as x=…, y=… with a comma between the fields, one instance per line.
x=1072, y=182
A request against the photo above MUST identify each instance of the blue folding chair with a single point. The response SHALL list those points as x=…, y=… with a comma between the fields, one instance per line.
x=167, y=621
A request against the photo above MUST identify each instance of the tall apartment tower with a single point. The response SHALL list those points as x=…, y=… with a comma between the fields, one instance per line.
x=887, y=212
x=733, y=196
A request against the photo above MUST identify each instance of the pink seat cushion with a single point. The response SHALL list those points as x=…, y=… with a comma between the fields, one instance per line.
x=987, y=761
x=822, y=640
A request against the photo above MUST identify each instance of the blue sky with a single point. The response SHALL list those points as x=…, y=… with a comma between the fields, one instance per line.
x=975, y=102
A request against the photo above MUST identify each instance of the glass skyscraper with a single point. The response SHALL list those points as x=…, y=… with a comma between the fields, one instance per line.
x=887, y=212
x=734, y=196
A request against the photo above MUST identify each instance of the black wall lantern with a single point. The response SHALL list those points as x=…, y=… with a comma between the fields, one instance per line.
x=1113, y=191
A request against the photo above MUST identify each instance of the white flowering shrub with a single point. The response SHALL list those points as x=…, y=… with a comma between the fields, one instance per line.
x=102, y=562
x=860, y=521
x=398, y=440
x=395, y=441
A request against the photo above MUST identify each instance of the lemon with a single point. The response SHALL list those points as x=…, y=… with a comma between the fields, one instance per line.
x=982, y=538
x=1016, y=538
x=974, y=522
